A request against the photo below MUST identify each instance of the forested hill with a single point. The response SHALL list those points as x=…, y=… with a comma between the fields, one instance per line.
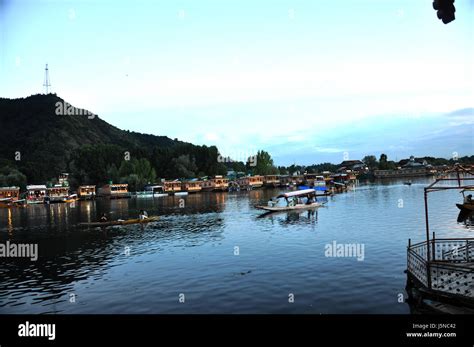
x=92, y=150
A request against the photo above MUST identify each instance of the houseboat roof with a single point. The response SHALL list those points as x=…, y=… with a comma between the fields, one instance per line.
x=297, y=193
x=9, y=188
x=36, y=186
x=86, y=187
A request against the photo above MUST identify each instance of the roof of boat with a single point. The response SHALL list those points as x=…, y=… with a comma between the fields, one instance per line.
x=297, y=193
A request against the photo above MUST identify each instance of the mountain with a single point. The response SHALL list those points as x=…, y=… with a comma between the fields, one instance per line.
x=41, y=143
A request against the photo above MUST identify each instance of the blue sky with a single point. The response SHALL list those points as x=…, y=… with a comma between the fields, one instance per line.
x=310, y=81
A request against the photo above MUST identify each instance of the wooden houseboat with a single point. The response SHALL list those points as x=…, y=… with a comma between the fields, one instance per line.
x=191, y=186
x=9, y=193
x=271, y=181
x=114, y=191
x=314, y=180
x=10, y=196
x=58, y=193
x=35, y=194
x=285, y=180
x=86, y=192
x=151, y=191
x=218, y=183
x=440, y=271
x=250, y=182
x=172, y=187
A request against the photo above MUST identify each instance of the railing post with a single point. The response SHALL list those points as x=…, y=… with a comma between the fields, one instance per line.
x=428, y=258
x=467, y=251
x=433, y=253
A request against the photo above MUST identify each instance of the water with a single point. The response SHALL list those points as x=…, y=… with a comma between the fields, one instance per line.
x=192, y=251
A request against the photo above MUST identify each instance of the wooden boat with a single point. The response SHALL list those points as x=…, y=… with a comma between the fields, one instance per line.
x=468, y=203
x=290, y=206
x=72, y=198
x=466, y=206
x=7, y=203
x=121, y=222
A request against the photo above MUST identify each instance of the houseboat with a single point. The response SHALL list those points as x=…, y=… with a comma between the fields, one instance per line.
x=284, y=180
x=35, y=194
x=440, y=271
x=58, y=193
x=191, y=186
x=314, y=180
x=271, y=181
x=9, y=196
x=172, y=187
x=151, y=191
x=9, y=193
x=218, y=183
x=250, y=182
x=114, y=191
x=86, y=192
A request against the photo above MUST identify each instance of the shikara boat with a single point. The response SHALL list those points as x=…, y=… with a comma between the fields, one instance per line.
x=72, y=198
x=292, y=203
x=290, y=208
x=121, y=222
x=466, y=206
x=468, y=203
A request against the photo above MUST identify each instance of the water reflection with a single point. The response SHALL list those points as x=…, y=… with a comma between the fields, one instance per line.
x=191, y=248
x=86, y=254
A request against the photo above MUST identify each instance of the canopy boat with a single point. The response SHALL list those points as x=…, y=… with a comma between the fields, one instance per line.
x=293, y=201
x=72, y=198
x=121, y=222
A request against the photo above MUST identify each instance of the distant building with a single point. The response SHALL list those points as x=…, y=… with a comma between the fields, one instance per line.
x=412, y=162
x=352, y=165
x=411, y=167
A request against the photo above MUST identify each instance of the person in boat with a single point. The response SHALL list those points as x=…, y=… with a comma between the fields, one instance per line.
x=143, y=215
x=103, y=218
x=310, y=199
x=272, y=202
x=468, y=199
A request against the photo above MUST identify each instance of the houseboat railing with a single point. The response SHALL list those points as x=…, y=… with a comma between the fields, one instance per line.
x=450, y=269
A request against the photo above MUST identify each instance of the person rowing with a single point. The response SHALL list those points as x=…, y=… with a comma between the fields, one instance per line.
x=143, y=215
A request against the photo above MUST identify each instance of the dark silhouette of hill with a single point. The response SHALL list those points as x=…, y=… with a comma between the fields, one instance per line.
x=47, y=142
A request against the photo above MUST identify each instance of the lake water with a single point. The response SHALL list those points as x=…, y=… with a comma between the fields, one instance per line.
x=217, y=253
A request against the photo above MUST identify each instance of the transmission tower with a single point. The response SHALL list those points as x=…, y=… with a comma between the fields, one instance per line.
x=47, y=83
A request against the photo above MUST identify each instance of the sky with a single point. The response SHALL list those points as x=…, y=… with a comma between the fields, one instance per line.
x=308, y=81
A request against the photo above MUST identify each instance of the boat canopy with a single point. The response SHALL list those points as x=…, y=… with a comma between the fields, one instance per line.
x=297, y=193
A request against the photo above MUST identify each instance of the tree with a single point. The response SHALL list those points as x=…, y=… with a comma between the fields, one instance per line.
x=263, y=164
x=384, y=164
x=183, y=167
x=10, y=177
x=370, y=161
